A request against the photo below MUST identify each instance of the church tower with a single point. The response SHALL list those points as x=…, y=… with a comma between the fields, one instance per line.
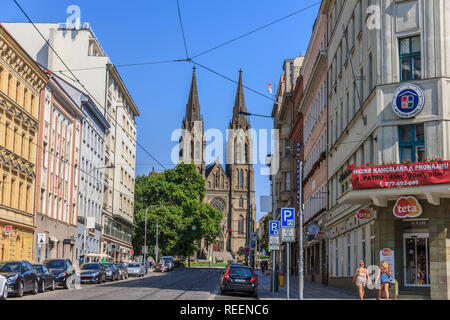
x=192, y=142
x=241, y=173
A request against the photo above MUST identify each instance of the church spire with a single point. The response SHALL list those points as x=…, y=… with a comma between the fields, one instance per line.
x=239, y=104
x=193, y=105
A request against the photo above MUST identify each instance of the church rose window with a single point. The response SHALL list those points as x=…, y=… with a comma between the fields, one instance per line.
x=218, y=204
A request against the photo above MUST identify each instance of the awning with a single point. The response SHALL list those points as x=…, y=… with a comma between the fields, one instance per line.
x=380, y=197
x=52, y=238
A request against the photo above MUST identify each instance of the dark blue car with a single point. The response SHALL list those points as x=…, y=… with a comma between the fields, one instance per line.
x=62, y=270
x=21, y=277
x=92, y=273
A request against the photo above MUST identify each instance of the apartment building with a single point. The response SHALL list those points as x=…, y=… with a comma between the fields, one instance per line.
x=82, y=52
x=21, y=83
x=57, y=177
x=313, y=108
x=389, y=123
x=283, y=114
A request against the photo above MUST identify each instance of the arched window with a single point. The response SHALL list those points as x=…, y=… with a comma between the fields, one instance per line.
x=241, y=179
x=197, y=152
x=241, y=224
x=247, y=159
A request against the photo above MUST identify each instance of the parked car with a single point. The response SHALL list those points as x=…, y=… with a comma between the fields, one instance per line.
x=3, y=287
x=62, y=270
x=239, y=278
x=112, y=273
x=45, y=278
x=136, y=269
x=123, y=271
x=21, y=277
x=93, y=272
x=169, y=259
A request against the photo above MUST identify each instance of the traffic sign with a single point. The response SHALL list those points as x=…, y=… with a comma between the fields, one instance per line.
x=288, y=234
x=274, y=243
x=288, y=217
x=274, y=227
x=41, y=239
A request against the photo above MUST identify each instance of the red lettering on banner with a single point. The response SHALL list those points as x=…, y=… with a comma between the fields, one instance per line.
x=401, y=175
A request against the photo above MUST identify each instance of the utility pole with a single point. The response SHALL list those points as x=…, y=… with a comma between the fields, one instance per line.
x=156, y=248
x=300, y=238
x=274, y=213
x=145, y=234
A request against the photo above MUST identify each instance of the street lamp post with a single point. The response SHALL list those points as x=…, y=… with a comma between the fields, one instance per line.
x=145, y=234
x=85, y=205
x=274, y=200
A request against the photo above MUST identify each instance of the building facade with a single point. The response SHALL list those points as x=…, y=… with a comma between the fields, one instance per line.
x=21, y=83
x=80, y=49
x=283, y=114
x=57, y=179
x=231, y=189
x=388, y=105
x=313, y=107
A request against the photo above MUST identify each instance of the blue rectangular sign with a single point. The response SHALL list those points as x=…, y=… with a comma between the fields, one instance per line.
x=288, y=217
x=274, y=228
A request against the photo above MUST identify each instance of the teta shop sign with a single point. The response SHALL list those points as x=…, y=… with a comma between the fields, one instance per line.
x=407, y=207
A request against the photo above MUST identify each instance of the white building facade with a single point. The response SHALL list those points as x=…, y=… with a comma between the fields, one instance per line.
x=388, y=69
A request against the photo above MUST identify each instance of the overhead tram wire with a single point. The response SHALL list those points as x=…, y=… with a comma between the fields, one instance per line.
x=257, y=29
x=126, y=65
x=234, y=81
x=75, y=77
x=182, y=29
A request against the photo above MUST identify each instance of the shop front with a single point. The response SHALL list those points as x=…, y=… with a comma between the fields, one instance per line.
x=412, y=202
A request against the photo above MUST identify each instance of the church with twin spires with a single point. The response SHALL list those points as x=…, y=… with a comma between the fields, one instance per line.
x=229, y=189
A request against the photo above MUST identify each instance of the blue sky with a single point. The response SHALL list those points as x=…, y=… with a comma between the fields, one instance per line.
x=141, y=31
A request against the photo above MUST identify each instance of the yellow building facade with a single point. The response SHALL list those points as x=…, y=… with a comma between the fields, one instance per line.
x=21, y=81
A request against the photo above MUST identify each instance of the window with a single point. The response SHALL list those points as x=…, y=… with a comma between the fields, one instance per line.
x=372, y=243
x=411, y=143
x=288, y=181
x=348, y=255
x=241, y=179
x=241, y=225
x=410, y=58
x=363, y=245
x=336, y=258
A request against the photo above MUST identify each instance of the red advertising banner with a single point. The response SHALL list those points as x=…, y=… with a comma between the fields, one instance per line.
x=401, y=175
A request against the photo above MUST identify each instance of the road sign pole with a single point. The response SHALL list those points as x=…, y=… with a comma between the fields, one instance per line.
x=287, y=251
x=274, y=213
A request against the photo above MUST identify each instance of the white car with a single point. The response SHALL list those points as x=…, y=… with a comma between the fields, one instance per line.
x=3, y=288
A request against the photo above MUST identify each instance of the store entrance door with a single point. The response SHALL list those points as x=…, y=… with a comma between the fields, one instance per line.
x=416, y=259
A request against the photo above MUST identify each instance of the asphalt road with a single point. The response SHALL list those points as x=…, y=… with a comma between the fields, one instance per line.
x=180, y=284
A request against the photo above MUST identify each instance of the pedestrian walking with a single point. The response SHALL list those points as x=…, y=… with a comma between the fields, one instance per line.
x=384, y=276
x=146, y=266
x=361, y=278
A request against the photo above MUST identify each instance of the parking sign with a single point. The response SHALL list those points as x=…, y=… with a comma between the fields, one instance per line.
x=274, y=228
x=288, y=217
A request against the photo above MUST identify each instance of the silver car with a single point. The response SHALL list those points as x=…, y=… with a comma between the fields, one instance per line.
x=3, y=288
x=136, y=269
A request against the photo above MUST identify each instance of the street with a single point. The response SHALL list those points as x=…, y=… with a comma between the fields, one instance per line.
x=180, y=284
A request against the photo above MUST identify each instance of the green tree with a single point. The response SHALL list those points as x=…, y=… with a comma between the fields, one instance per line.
x=175, y=198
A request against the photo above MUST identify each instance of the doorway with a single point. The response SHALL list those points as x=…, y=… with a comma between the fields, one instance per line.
x=416, y=259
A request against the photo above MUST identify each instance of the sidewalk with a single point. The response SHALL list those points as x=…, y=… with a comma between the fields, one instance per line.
x=311, y=291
